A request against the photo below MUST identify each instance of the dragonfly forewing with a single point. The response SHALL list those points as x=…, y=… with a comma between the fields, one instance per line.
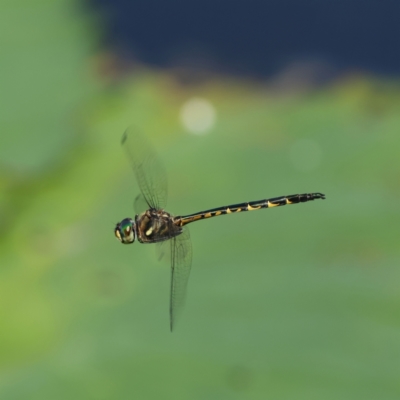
x=149, y=171
x=140, y=204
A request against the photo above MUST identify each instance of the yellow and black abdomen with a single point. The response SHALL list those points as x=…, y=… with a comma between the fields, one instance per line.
x=249, y=206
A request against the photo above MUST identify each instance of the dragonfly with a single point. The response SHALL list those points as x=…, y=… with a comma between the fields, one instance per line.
x=152, y=224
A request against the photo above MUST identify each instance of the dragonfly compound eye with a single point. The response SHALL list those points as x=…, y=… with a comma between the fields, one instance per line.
x=125, y=232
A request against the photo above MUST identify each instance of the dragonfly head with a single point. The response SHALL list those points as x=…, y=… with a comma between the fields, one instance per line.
x=125, y=231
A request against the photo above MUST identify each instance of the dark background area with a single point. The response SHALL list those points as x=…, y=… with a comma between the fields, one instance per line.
x=255, y=37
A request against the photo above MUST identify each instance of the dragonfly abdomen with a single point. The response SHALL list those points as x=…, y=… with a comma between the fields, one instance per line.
x=249, y=206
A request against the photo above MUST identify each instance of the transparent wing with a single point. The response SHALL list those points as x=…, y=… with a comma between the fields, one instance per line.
x=181, y=262
x=140, y=205
x=150, y=173
x=163, y=250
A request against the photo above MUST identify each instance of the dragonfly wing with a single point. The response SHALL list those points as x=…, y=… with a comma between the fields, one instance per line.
x=140, y=204
x=149, y=171
x=181, y=262
x=163, y=250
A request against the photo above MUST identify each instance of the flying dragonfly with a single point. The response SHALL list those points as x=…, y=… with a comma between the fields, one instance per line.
x=152, y=224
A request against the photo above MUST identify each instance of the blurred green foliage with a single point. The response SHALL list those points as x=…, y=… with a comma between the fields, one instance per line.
x=290, y=303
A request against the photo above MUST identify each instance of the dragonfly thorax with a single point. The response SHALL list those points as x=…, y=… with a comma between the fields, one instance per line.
x=155, y=225
x=125, y=231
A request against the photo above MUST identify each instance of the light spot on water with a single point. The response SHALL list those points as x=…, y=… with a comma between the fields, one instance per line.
x=197, y=115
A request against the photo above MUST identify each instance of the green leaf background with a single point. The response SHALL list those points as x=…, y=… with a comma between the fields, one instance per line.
x=292, y=303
